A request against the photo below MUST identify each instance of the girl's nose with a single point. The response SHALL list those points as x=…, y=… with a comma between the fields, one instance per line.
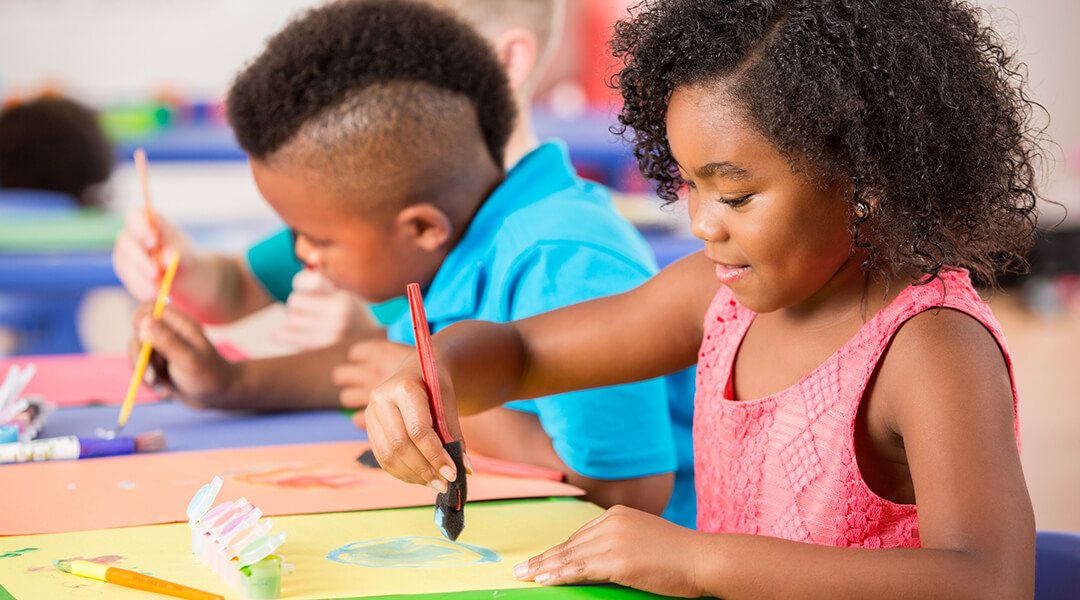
x=707, y=222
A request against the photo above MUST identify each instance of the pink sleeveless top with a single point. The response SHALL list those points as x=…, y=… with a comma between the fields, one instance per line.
x=784, y=465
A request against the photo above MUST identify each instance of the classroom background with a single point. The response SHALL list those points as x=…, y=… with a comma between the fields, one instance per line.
x=156, y=69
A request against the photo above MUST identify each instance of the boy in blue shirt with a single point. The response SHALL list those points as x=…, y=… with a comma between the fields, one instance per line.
x=377, y=131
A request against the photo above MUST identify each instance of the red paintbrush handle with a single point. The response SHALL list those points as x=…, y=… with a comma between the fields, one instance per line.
x=427, y=360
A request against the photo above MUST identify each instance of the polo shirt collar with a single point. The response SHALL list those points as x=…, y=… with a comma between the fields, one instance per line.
x=454, y=293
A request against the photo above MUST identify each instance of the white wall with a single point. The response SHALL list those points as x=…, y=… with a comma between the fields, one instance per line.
x=113, y=50
x=1045, y=36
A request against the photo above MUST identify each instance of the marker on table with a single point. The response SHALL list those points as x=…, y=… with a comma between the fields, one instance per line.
x=132, y=579
x=71, y=447
x=144, y=352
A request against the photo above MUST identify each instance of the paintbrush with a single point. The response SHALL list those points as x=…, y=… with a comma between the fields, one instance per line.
x=449, y=505
x=71, y=447
x=144, y=181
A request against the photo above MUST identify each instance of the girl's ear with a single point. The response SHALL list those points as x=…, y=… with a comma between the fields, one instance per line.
x=517, y=50
x=425, y=226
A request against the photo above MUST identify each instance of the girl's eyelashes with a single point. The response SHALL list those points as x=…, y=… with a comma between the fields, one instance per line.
x=733, y=202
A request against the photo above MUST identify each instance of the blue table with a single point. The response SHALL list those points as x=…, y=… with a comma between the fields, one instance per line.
x=192, y=429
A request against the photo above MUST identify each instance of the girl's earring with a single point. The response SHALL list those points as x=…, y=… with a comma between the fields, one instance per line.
x=863, y=210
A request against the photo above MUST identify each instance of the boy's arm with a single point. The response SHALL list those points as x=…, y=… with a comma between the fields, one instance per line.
x=944, y=389
x=650, y=331
x=189, y=367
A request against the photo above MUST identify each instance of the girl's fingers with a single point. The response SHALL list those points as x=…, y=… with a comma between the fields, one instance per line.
x=573, y=561
x=355, y=397
x=408, y=440
x=359, y=419
x=397, y=457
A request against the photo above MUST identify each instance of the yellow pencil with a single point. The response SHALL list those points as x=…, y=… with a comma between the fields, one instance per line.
x=144, y=352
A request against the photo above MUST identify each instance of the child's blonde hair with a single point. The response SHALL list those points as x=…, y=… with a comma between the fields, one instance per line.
x=544, y=18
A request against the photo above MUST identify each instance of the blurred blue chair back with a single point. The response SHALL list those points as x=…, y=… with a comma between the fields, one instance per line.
x=1057, y=565
x=34, y=202
x=44, y=323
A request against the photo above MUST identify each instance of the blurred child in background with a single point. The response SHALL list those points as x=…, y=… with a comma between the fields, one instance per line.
x=55, y=144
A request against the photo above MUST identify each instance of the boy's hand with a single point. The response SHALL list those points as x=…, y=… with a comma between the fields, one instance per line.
x=139, y=248
x=401, y=432
x=138, y=245
x=318, y=314
x=628, y=547
x=184, y=361
x=371, y=362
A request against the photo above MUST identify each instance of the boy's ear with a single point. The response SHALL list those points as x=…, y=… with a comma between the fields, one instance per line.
x=425, y=225
x=517, y=49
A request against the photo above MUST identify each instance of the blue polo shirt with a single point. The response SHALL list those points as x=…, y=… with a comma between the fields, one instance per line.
x=544, y=239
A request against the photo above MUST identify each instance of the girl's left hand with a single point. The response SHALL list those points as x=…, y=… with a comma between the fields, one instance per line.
x=624, y=546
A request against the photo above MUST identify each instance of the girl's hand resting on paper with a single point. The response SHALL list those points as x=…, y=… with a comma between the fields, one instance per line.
x=400, y=428
x=371, y=362
x=318, y=314
x=184, y=363
x=628, y=547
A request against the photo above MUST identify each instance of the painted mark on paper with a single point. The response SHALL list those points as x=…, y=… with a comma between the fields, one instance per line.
x=14, y=553
x=112, y=560
x=412, y=552
x=297, y=476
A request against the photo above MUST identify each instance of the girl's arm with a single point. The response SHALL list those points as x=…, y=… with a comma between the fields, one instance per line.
x=647, y=332
x=944, y=388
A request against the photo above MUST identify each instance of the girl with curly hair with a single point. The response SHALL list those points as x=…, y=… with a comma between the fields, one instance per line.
x=847, y=164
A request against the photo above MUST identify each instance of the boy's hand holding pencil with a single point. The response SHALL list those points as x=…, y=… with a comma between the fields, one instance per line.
x=184, y=363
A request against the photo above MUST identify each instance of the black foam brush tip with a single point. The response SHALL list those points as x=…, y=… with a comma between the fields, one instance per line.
x=450, y=505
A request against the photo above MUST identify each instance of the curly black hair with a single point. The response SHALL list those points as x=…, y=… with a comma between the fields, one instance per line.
x=324, y=58
x=915, y=102
x=55, y=144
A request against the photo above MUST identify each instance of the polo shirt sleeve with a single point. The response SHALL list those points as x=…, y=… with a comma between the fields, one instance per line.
x=273, y=262
x=617, y=432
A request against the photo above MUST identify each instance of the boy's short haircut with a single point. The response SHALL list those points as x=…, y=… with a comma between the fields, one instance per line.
x=54, y=144
x=376, y=57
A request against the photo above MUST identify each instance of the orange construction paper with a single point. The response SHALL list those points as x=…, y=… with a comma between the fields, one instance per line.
x=81, y=379
x=146, y=489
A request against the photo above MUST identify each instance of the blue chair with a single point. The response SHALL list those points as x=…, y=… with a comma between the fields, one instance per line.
x=40, y=291
x=1057, y=565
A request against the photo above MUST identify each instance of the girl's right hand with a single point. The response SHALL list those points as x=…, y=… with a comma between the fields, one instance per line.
x=400, y=428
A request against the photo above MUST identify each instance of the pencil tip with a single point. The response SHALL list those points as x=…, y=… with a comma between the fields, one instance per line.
x=63, y=565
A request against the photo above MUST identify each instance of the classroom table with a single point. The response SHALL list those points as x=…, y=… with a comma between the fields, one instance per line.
x=189, y=429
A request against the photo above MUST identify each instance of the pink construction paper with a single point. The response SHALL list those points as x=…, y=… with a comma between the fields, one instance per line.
x=123, y=491
x=81, y=379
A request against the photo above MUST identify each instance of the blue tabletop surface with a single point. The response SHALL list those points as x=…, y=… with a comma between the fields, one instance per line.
x=191, y=429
